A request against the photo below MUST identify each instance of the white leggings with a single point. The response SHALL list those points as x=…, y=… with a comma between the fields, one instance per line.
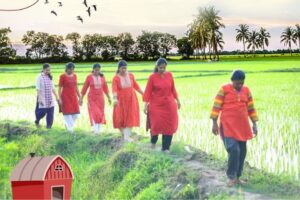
x=70, y=121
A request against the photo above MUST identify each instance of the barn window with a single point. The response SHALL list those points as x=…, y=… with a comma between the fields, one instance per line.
x=58, y=168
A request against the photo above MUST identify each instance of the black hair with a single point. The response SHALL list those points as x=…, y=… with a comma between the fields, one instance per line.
x=238, y=75
x=97, y=65
x=45, y=66
x=159, y=62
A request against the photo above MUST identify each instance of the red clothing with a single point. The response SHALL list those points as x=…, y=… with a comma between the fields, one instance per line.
x=160, y=93
x=97, y=86
x=70, y=104
x=236, y=108
x=127, y=112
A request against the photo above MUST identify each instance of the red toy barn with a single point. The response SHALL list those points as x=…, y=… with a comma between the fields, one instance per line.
x=47, y=177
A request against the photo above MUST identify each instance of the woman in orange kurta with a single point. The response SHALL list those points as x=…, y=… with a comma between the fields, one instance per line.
x=126, y=112
x=97, y=85
x=161, y=105
x=235, y=103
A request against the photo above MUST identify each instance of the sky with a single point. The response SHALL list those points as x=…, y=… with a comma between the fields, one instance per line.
x=172, y=16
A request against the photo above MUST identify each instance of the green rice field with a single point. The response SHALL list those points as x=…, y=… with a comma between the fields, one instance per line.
x=275, y=86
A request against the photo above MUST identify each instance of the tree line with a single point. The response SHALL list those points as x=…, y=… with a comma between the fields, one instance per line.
x=203, y=39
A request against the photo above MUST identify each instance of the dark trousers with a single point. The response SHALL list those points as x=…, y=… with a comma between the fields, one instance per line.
x=166, y=141
x=237, y=151
x=41, y=112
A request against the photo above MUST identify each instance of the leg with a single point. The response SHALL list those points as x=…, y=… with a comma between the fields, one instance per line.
x=50, y=116
x=243, y=152
x=154, y=139
x=39, y=114
x=68, y=123
x=166, y=142
x=233, y=149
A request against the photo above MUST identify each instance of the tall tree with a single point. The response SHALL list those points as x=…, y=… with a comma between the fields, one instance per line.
x=242, y=35
x=6, y=49
x=287, y=38
x=264, y=36
x=125, y=42
x=148, y=44
x=219, y=42
x=296, y=34
x=253, y=41
x=75, y=39
x=55, y=46
x=89, y=45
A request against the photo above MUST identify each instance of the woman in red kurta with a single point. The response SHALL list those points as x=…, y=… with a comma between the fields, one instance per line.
x=126, y=112
x=161, y=105
x=235, y=103
x=97, y=85
x=68, y=96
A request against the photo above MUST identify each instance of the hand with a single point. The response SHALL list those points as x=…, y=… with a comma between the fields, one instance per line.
x=115, y=102
x=80, y=101
x=59, y=101
x=178, y=105
x=146, y=109
x=254, y=128
x=215, y=128
x=109, y=101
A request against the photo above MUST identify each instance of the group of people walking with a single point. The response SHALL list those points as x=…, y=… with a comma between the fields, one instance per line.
x=234, y=104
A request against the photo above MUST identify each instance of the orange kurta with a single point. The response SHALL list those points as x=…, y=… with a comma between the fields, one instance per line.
x=126, y=113
x=97, y=86
x=236, y=108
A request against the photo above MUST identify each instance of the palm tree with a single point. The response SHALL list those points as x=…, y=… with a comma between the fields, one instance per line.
x=219, y=41
x=264, y=38
x=296, y=34
x=287, y=37
x=253, y=41
x=212, y=23
x=242, y=35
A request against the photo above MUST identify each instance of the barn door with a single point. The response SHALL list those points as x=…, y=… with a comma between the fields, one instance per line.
x=57, y=193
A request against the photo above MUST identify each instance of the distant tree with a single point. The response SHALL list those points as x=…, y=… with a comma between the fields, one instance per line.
x=75, y=39
x=36, y=43
x=55, y=46
x=253, y=41
x=287, y=38
x=148, y=44
x=6, y=49
x=166, y=43
x=263, y=36
x=90, y=45
x=219, y=41
x=296, y=35
x=125, y=43
x=242, y=35
x=110, y=46
x=185, y=47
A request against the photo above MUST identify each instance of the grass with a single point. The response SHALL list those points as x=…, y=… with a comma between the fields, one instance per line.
x=131, y=171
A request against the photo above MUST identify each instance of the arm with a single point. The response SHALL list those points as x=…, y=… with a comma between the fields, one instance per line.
x=252, y=113
x=217, y=107
x=136, y=86
x=38, y=90
x=84, y=89
x=115, y=90
x=77, y=90
x=175, y=94
x=106, y=90
x=147, y=94
x=60, y=85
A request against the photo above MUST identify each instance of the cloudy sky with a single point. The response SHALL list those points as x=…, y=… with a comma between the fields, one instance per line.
x=173, y=16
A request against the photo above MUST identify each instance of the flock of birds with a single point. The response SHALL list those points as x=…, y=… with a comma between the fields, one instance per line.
x=89, y=9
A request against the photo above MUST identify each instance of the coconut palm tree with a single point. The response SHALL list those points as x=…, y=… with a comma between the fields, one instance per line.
x=242, y=35
x=264, y=38
x=219, y=41
x=253, y=41
x=296, y=34
x=287, y=37
x=212, y=23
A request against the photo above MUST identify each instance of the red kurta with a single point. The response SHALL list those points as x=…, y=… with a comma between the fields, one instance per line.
x=127, y=112
x=70, y=104
x=236, y=108
x=97, y=86
x=161, y=94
